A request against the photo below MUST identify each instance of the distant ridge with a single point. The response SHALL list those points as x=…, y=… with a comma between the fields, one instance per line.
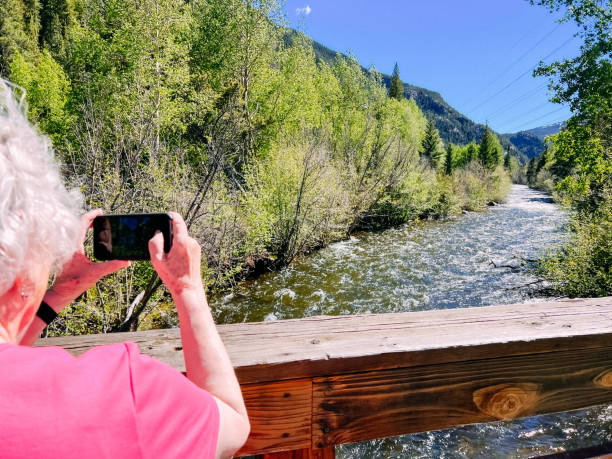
x=531, y=141
x=550, y=129
x=527, y=143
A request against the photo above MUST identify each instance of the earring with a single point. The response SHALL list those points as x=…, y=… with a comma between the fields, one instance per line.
x=24, y=295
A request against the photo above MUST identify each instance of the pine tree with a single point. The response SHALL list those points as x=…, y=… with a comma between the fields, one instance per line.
x=507, y=158
x=490, y=149
x=19, y=28
x=430, y=145
x=56, y=18
x=471, y=153
x=449, y=159
x=531, y=171
x=396, y=88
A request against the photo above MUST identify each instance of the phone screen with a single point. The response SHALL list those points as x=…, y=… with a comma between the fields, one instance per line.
x=126, y=237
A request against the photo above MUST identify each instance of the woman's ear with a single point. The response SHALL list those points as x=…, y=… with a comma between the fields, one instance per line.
x=12, y=306
x=13, y=294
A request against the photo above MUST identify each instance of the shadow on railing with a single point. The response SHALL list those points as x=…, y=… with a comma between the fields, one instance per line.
x=313, y=383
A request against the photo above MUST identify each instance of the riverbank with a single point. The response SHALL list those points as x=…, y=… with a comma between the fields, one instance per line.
x=416, y=266
x=432, y=198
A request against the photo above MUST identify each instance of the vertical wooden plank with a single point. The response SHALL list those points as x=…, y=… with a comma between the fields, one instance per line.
x=306, y=453
x=280, y=415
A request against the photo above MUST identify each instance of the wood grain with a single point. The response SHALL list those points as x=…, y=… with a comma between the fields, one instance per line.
x=321, y=346
x=384, y=403
x=280, y=415
x=308, y=453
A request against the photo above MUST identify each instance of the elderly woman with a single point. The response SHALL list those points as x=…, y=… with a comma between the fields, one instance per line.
x=112, y=401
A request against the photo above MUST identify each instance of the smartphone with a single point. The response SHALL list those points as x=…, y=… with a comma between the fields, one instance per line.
x=126, y=237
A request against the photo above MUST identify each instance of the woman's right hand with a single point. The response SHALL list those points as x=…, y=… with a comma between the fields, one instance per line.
x=179, y=269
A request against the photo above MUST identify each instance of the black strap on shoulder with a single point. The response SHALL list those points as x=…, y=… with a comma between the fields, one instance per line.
x=46, y=313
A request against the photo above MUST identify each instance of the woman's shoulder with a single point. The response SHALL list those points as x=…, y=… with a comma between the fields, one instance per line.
x=103, y=367
x=126, y=395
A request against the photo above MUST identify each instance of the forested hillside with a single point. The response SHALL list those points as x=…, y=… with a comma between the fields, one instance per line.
x=529, y=144
x=205, y=108
x=452, y=125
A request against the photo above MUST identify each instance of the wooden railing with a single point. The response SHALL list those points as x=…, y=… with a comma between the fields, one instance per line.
x=313, y=383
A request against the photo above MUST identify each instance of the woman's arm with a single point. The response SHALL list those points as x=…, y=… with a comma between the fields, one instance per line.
x=206, y=360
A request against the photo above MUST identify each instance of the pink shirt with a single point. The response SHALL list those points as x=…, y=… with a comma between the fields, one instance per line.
x=110, y=402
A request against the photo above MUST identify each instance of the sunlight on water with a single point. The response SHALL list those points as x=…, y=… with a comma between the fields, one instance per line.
x=432, y=265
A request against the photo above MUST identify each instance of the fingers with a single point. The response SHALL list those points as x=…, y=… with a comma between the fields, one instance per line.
x=179, y=226
x=156, y=247
x=86, y=223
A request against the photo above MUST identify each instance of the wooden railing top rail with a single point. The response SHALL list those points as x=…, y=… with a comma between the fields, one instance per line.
x=326, y=345
x=321, y=381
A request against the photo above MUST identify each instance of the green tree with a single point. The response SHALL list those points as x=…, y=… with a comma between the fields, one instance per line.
x=19, y=29
x=507, y=158
x=448, y=162
x=396, y=87
x=47, y=88
x=431, y=144
x=581, y=155
x=490, y=151
x=531, y=171
x=56, y=20
x=472, y=152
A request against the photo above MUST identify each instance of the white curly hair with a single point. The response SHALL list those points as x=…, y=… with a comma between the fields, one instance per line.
x=39, y=217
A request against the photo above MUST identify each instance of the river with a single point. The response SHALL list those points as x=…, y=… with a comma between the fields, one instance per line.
x=460, y=262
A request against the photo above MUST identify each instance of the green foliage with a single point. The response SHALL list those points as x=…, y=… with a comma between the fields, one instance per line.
x=202, y=107
x=490, y=150
x=47, y=87
x=19, y=29
x=431, y=145
x=577, y=164
x=396, y=88
x=507, y=159
x=57, y=17
x=448, y=160
x=583, y=268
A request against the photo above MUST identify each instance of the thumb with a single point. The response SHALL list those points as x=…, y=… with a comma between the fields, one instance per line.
x=156, y=247
x=109, y=267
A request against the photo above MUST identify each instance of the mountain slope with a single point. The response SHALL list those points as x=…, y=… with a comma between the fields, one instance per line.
x=531, y=141
x=453, y=126
x=527, y=143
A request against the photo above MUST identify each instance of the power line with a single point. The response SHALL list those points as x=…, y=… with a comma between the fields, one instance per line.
x=538, y=118
x=517, y=100
x=515, y=117
x=523, y=74
x=516, y=43
x=524, y=54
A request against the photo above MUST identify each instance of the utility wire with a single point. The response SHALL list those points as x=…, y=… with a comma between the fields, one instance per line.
x=519, y=128
x=515, y=117
x=523, y=55
x=523, y=74
x=517, y=100
x=516, y=43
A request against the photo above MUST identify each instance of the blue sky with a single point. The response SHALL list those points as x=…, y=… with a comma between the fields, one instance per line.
x=478, y=54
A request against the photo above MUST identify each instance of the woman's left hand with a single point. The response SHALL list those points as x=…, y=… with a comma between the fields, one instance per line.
x=79, y=274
